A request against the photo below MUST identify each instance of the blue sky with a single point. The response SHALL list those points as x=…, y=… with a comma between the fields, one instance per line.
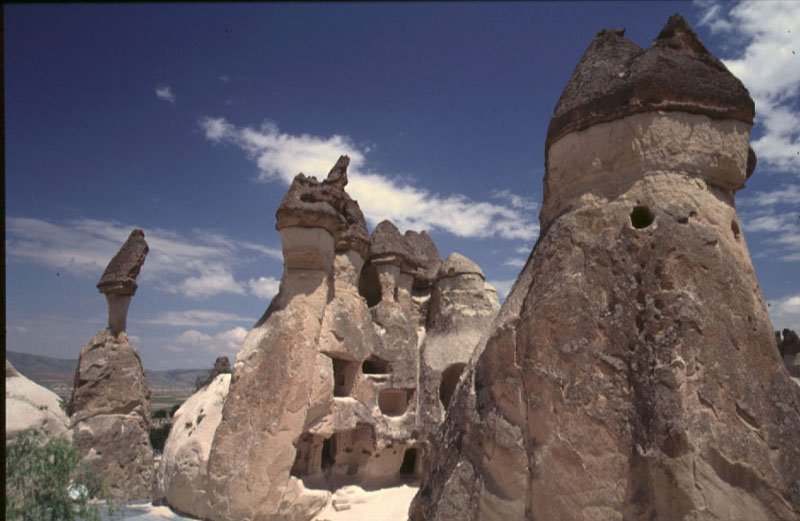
x=190, y=120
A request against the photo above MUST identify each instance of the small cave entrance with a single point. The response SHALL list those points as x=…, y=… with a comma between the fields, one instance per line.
x=344, y=376
x=449, y=382
x=394, y=402
x=409, y=466
x=328, y=451
x=641, y=217
x=376, y=365
x=369, y=285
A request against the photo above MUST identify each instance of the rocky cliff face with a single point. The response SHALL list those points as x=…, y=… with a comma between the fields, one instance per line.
x=111, y=397
x=632, y=371
x=326, y=390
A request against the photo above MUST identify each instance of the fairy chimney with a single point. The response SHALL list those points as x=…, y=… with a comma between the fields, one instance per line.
x=632, y=371
x=118, y=282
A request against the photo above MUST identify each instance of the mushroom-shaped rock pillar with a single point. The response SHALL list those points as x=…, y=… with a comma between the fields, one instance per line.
x=118, y=282
x=631, y=372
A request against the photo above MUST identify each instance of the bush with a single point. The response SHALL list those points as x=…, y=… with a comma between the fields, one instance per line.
x=158, y=436
x=161, y=413
x=47, y=480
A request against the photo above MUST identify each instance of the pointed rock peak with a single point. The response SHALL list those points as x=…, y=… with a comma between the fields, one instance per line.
x=677, y=34
x=424, y=248
x=386, y=241
x=120, y=275
x=457, y=264
x=338, y=174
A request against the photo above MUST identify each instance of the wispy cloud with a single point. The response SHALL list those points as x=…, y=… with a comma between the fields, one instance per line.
x=502, y=286
x=766, y=36
x=514, y=262
x=197, y=318
x=787, y=194
x=165, y=93
x=196, y=266
x=223, y=343
x=280, y=156
x=782, y=230
x=264, y=287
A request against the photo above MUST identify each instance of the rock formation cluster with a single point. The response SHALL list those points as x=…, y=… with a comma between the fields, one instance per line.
x=342, y=379
x=111, y=397
x=632, y=371
x=31, y=406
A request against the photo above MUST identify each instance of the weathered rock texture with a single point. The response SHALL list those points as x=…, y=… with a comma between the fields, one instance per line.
x=31, y=406
x=111, y=397
x=632, y=371
x=326, y=388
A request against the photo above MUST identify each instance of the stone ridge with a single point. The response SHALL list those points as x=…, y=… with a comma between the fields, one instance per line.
x=311, y=203
x=387, y=242
x=616, y=78
x=119, y=278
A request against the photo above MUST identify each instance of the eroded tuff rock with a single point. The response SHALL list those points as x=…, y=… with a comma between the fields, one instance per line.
x=31, y=406
x=632, y=371
x=111, y=422
x=111, y=397
x=325, y=391
x=789, y=348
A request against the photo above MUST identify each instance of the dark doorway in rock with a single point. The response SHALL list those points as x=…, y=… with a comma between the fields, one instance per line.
x=376, y=365
x=344, y=375
x=369, y=285
x=409, y=466
x=327, y=453
x=450, y=378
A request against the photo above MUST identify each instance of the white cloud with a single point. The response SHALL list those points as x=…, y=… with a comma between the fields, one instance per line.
x=223, y=343
x=264, y=287
x=514, y=262
x=767, y=34
x=164, y=92
x=781, y=228
x=198, y=266
x=197, y=318
x=785, y=312
x=787, y=194
x=281, y=156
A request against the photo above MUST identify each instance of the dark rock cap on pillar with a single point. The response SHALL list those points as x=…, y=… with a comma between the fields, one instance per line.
x=120, y=275
x=616, y=78
x=118, y=282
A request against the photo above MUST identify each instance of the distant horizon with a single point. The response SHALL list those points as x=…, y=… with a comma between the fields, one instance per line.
x=190, y=121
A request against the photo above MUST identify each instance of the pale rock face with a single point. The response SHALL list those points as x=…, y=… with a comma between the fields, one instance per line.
x=111, y=419
x=31, y=406
x=632, y=371
x=183, y=469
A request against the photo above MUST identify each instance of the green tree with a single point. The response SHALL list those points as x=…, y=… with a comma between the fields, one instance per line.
x=47, y=480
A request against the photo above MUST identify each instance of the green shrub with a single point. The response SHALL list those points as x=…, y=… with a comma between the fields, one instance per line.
x=42, y=474
x=158, y=436
x=161, y=413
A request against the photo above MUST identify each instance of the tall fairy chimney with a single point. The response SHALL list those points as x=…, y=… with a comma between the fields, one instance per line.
x=118, y=282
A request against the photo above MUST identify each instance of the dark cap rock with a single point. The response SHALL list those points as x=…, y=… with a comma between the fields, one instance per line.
x=457, y=264
x=616, y=78
x=423, y=247
x=119, y=278
x=387, y=245
x=314, y=204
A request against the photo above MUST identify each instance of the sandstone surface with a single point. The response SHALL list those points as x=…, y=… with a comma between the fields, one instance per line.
x=632, y=371
x=31, y=406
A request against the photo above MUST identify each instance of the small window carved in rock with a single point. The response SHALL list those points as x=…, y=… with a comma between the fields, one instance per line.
x=344, y=375
x=450, y=378
x=641, y=217
x=369, y=285
x=409, y=465
x=394, y=402
x=376, y=365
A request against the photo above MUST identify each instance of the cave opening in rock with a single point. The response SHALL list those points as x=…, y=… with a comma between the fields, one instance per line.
x=376, y=365
x=344, y=376
x=328, y=448
x=641, y=217
x=394, y=402
x=409, y=465
x=450, y=378
x=735, y=230
x=369, y=285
